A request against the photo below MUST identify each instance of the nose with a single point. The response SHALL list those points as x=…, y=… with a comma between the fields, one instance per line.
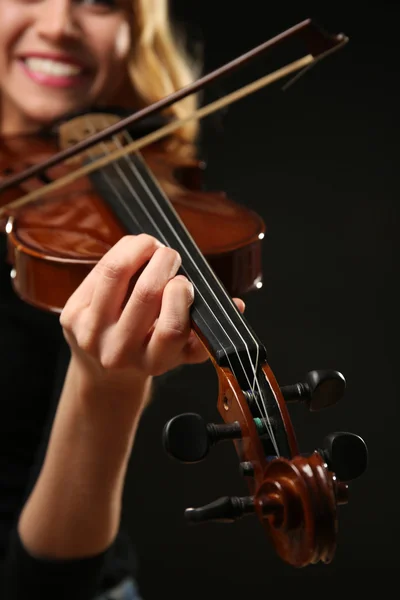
x=56, y=20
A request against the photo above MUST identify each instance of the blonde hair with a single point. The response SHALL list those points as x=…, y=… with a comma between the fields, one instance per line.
x=159, y=65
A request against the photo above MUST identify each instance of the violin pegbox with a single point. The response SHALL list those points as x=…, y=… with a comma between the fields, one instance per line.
x=295, y=496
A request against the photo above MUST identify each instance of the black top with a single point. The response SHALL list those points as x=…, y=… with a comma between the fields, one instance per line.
x=33, y=362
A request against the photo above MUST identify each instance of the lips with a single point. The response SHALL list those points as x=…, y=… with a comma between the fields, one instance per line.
x=54, y=69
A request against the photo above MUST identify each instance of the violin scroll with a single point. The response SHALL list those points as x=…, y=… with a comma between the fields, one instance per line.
x=294, y=495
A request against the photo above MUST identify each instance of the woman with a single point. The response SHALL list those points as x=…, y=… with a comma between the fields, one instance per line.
x=74, y=388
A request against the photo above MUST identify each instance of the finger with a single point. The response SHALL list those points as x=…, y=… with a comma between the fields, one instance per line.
x=173, y=327
x=113, y=274
x=240, y=304
x=194, y=351
x=144, y=304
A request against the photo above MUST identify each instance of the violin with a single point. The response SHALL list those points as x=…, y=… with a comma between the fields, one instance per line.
x=68, y=195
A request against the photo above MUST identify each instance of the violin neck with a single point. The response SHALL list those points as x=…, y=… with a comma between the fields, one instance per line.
x=137, y=200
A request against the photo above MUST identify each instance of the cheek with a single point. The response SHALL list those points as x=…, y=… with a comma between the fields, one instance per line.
x=13, y=25
x=123, y=41
x=111, y=47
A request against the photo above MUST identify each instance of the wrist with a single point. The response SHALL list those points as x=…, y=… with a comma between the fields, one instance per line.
x=117, y=397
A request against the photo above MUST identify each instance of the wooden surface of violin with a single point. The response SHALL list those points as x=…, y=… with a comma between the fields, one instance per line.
x=62, y=236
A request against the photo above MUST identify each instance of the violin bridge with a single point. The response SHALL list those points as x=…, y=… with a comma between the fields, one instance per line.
x=79, y=128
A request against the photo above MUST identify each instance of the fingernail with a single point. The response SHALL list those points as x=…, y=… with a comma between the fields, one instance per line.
x=184, y=278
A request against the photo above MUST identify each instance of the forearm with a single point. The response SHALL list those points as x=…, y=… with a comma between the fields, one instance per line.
x=75, y=507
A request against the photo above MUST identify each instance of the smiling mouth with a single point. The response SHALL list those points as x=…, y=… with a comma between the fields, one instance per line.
x=52, y=68
x=55, y=72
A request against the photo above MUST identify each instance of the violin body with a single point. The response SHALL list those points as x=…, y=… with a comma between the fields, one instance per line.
x=55, y=242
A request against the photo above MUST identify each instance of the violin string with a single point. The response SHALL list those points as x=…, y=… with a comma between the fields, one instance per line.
x=268, y=424
x=254, y=369
x=121, y=175
x=153, y=200
x=252, y=386
x=162, y=238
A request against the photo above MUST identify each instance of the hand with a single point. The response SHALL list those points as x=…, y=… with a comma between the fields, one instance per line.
x=131, y=313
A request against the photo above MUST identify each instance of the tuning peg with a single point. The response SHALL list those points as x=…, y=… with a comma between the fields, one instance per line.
x=321, y=389
x=229, y=509
x=188, y=437
x=223, y=510
x=346, y=454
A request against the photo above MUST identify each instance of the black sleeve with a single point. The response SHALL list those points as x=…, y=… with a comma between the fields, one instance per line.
x=33, y=361
x=26, y=576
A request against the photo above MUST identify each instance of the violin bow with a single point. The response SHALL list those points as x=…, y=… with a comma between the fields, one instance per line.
x=320, y=45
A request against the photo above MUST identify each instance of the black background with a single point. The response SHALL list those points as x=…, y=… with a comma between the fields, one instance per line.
x=319, y=163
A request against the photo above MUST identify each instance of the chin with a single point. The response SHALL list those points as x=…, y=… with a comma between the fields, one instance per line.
x=45, y=113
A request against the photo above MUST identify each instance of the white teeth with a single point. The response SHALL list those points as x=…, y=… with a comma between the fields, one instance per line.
x=51, y=67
